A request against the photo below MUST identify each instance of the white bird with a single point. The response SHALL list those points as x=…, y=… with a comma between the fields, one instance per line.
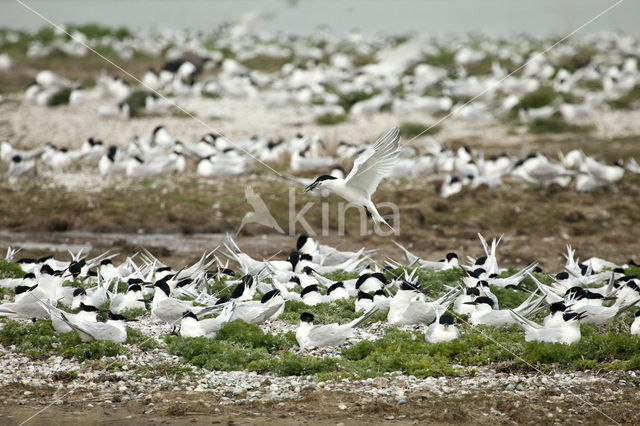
x=567, y=332
x=113, y=330
x=190, y=326
x=443, y=330
x=373, y=165
x=316, y=336
x=635, y=325
x=407, y=307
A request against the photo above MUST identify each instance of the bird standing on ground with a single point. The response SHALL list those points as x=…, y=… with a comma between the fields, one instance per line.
x=373, y=165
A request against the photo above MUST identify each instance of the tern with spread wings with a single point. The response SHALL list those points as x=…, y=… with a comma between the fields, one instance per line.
x=373, y=165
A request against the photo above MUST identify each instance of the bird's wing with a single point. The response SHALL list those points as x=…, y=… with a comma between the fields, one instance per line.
x=375, y=163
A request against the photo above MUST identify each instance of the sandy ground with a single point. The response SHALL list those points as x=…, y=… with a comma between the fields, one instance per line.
x=68, y=126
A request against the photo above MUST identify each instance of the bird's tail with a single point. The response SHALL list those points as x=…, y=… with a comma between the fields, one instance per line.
x=356, y=322
x=524, y=323
x=377, y=218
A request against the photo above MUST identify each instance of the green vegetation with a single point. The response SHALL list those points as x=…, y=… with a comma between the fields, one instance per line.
x=338, y=311
x=444, y=58
x=537, y=99
x=628, y=100
x=136, y=101
x=556, y=124
x=266, y=63
x=38, y=340
x=411, y=130
x=10, y=269
x=163, y=369
x=60, y=98
x=330, y=119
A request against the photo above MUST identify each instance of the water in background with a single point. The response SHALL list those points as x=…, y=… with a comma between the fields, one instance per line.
x=495, y=17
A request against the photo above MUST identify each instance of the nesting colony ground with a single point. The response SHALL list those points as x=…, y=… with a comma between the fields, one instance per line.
x=179, y=217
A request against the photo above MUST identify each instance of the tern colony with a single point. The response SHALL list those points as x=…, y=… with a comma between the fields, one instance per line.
x=593, y=291
x=213, y=156
x=356, y=74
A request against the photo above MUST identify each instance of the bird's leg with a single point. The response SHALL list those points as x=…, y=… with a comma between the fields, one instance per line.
x=173, y=331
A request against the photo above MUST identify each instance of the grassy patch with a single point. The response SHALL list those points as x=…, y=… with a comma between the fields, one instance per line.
x=38, y=340
x=339, y=311
x=628, y=100
x=266, y=63
x=330, y=119
x=538, y=99
x=163, y=369
x=136, y=101
x=136, y=337
x=10, y=269
x=411, y=130
x=60, y=98
x=556, y=124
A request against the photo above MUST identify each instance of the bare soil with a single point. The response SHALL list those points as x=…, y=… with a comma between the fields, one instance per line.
x=598, y=403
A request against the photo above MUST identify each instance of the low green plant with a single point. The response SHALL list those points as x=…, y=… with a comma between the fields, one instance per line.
x=38, y=340
x=556, y=124
x=10, y=269
x=410, y=129
x=330, y=119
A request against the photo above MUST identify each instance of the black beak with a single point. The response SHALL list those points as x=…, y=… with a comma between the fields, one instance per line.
x=581, y=315
x=470, y=303
x=311, y=187
x=145, y=300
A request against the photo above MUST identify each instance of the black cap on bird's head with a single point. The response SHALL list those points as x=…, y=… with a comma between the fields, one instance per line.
x=294, y=258
x=562, y=276
x=482, y=283
x=269, y=295
x=134, y=287
x=189, y=314
x=88, y=308
x=183, y=282
x=162, y=285
x=451, y=256
x=568, y=316
x=222, y=300
x=481, y=260
x=117, y=317
x=577, y=293
x=30, y=275
x=481, y=300
x=302, y=240
x=363, y=295
x=380, y=293
x=335, y=286
x=294, y=279
x=308, y=289
x=446, y=319
x=318, y=182
x=307, y=317
x=407, y=286
x=23, y=288
x=79, y=292
x=476, y=273
x=638, y=313
x=76, y=267
x=308, y=270
x=247, y=280
x=473, y=291
x=46, y=269
x=557, y=307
